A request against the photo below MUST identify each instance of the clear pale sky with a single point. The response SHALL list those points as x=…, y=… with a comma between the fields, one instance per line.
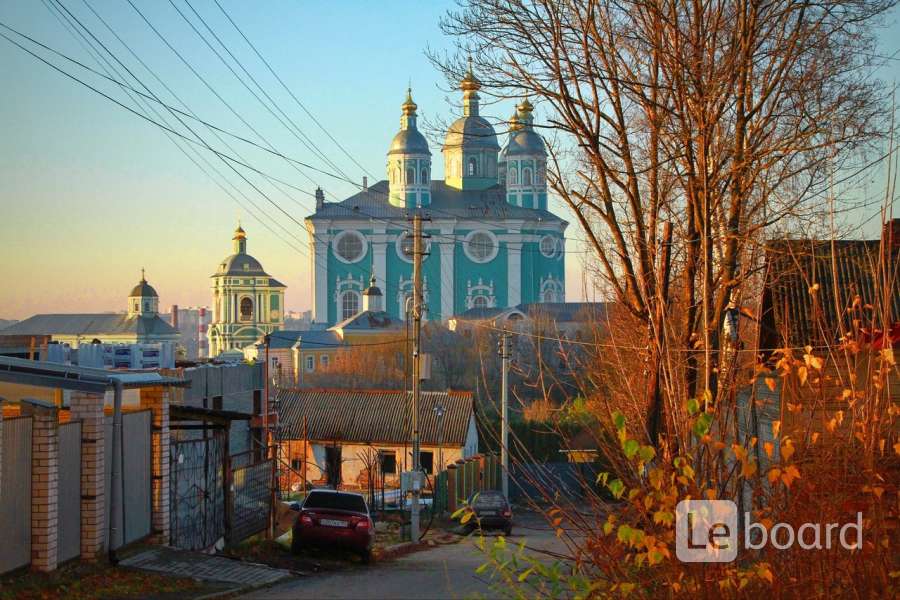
x=90, y=193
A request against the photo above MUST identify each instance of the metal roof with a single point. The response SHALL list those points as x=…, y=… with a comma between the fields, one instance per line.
x=70, y=377
x=445, y=202
x=802, y=316
x=373, y=416
x=91, y=324
x=370, y=320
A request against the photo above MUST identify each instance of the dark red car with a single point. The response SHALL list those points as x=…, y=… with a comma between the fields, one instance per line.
x=330, y=518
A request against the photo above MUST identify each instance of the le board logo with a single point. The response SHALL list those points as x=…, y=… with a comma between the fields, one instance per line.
x=707, y=531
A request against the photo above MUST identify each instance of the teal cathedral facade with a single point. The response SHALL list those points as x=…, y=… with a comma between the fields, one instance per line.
x=492, y=244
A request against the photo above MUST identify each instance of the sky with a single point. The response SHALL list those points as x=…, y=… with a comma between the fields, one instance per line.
x=90, y=193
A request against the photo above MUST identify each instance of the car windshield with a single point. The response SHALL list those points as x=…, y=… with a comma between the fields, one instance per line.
x=489, y=500
x=332, y=500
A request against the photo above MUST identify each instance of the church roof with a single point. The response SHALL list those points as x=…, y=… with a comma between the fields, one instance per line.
x=242, y=264
x=409, y=141
x=91, y=324
x=369, y=320
x=523, y=141
x=472, y=131
x=143, y=289
x=445, y=202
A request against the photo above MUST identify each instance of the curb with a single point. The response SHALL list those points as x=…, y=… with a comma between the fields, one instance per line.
x=400, y=549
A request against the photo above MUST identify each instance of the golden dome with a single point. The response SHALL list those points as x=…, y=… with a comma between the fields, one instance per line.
x=409, y=107
x=525, y=107
x=470, y=83
x=514, y=123
x=239, y=233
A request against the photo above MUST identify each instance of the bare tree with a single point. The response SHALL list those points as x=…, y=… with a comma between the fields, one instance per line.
x=722, y=118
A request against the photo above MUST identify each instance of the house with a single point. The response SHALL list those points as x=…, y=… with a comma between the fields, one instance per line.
x=295, y=355
x=345, y=437
x=821, y=295
x=567, y=319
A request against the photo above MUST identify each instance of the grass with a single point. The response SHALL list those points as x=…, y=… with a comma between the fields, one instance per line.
x=88, y=581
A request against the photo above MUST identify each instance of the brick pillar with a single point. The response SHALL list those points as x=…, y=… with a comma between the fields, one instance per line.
x=44, y=482
x=88, y=408
x=157, y=400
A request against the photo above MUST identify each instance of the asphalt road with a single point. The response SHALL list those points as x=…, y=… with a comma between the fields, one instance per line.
x=446, y=571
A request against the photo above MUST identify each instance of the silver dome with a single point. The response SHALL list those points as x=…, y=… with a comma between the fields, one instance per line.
x=240, y=264
x=472, y=131
x=524, y=141
x=409, y=141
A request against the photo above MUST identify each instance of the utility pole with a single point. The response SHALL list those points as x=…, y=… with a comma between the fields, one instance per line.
x=416, y=368
x=504, y=414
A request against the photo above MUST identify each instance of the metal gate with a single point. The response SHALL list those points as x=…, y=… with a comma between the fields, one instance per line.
x=69, y=492
x=15, y=494
x=252, y=499
x=197, y=514
x=135, y=493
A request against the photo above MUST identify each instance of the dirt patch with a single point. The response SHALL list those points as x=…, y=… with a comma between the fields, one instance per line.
x=277, y=553
x=85, y=581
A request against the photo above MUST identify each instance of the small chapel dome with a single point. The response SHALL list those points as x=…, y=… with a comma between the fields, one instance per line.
x=143, y=289
x=409, y=140
x=523, y=139
x=471, y=131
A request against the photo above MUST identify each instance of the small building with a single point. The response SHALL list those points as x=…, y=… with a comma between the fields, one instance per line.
x=141, y=324
x=565, y=318
x=344, y=437
x=247, y=302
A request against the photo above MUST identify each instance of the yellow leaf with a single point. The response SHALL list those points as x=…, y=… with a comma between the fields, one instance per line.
x=787, y=449
x=801, y=374
x=748, y=468
x=776, y=428
x=774, y=474
x=769, y=447
x=897, y=447
x=815, y=437
x=710, y=494
x=790, y=474
x=794, y=408
x=771, y=383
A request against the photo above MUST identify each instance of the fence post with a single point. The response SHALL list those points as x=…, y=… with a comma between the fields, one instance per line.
x=89, y=409
x=44, y=482
x=451, y=488
x=157, y=400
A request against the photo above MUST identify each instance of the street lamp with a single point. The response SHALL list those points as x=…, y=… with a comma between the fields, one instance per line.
x=439, y=412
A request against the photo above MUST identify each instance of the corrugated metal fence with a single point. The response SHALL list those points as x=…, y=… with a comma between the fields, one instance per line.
x=15, y=496
x=135, y=494
x=69, y=492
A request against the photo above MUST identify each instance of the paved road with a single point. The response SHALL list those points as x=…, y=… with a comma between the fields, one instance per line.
x=442, y=572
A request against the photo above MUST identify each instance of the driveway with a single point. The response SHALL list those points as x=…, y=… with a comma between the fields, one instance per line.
x=446, y=571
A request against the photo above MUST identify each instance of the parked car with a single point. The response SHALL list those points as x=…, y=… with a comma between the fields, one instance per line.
x=491, y=511
x=329, y=518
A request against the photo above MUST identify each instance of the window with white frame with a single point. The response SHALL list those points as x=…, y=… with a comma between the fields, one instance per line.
x=473, y=167
x=324, y=360
x=310, y=364
x=349, y=304
x=481, y=246
x=549, y=246
x=349, y=246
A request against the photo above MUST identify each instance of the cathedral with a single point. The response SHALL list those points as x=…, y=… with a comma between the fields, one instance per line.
x=248, y=303
x=492, y=244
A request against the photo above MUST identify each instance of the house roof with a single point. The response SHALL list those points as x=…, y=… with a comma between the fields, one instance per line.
x=87, y=325
x=283, y=339
x=369, y=320
x=802, y=313
x=445, y=202
x=373, y=416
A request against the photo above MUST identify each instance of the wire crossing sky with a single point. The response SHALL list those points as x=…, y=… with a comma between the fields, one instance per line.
x=91, y=193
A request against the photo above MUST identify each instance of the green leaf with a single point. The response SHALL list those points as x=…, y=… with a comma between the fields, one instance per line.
x=624, y=533
x=619, y=420
x=524, y=574
x=482, y=568
x=693, y=406
x=631, y=448
x=646, y=453
x=602, y=478
x=616, y=487
x=702, y=424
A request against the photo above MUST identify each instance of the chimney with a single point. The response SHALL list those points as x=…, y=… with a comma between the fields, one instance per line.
x=320, y=199
x=365, y=183
x=175, y=316
x=890, y=235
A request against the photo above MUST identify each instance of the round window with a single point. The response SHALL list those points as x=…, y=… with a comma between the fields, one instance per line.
x=349, y=246
x=481, y=246
x=549, y=246
x=405, y=247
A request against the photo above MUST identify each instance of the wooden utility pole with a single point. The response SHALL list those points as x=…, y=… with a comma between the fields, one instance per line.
x=305, y=451
x=416, y=367
x=504, y=414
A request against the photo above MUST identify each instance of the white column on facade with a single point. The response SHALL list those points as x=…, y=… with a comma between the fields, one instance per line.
x=320, y=277
x=514, y=272
x=448, y=246
x=379, y=259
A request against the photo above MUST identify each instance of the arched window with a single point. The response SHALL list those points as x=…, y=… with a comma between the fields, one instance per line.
x=410, y=175
x=526, y=176
x=349, y=305
x=246, y=309
x=146, y=306
x=424, y=180
x=480, y=302
x=513, y=176
x=473, y=167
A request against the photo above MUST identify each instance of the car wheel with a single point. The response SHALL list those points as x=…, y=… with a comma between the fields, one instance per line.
x=296, y=546
x=366, y=557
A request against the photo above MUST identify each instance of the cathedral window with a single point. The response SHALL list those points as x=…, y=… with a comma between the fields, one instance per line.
x=549, y=246
x=349, y=304
x=410, y=176
x=480, y=302
x=526, y=176
x=473, y=167
x=481, y=246
x=405, y=247
x=424, y=180
x=246, y=309
x=349, y=246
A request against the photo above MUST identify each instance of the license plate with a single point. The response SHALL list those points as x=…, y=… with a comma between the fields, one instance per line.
x=488, y=513
x=333, y=523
